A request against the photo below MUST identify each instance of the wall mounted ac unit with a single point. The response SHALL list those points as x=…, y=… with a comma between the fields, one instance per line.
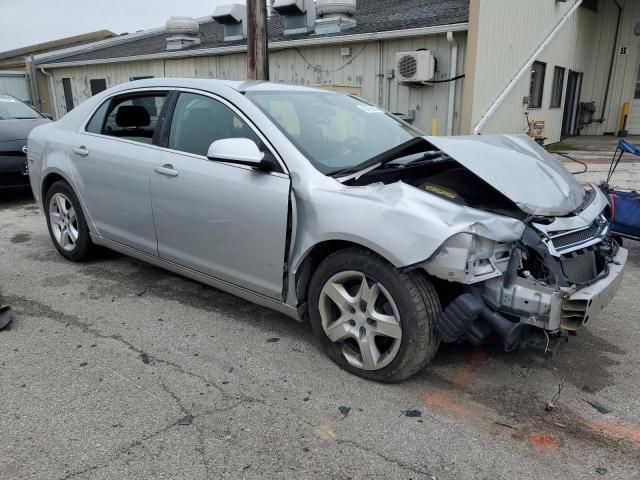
x=415, y=67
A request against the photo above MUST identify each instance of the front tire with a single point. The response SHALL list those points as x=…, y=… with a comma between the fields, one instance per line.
x=66, y=223
x=373, y=320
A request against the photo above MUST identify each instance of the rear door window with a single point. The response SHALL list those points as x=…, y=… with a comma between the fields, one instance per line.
x=133, y=117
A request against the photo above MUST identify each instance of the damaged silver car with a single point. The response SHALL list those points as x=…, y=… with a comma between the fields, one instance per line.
x=326, y=208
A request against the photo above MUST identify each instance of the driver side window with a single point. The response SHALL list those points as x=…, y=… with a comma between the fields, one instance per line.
x=198, y=121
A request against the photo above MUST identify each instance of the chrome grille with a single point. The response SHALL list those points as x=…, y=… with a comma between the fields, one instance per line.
x=581, y=267
x=575, y=237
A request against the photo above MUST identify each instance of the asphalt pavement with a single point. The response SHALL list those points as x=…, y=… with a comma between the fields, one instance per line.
x=114, y=369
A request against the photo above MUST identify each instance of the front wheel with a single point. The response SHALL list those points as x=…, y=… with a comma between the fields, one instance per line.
x=67, y=226
x=374, y=320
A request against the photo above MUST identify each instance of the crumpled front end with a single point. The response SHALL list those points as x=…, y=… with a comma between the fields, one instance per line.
x=559, y=276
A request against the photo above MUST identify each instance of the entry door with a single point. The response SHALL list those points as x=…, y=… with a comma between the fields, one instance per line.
x=570, y=120
x=224, y=220
x=633, y=123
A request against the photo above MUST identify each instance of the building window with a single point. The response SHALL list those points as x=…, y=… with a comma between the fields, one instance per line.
x=558, y=87
x=98, y=85
x=537, y=84
x=68, y=94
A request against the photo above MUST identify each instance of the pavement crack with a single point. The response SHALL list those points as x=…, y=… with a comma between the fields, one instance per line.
x=120, y=452
x=384, y=457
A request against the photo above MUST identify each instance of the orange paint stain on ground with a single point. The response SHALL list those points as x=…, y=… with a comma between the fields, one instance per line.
x=543, y=441
x=615, y=430
x=464, y=375
x=443, y=399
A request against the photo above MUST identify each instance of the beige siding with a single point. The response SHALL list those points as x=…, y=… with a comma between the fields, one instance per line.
x=509, y=31
x=363, y=71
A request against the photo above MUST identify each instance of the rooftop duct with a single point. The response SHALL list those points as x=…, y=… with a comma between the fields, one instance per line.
x=335, y=16
x=183, y=32
x=299, y=15
x=233, y=17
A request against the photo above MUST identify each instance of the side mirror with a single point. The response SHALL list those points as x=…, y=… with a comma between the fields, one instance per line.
x=238, y=150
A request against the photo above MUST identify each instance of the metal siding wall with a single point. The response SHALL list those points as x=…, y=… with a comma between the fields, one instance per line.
x=509, y=32
x=326, y=66
x=16, y=85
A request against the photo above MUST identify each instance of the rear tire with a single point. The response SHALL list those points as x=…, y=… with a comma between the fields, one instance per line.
x=66, y=223
x=372, y=319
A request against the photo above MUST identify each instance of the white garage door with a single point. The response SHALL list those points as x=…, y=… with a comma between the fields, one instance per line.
x=15, y=83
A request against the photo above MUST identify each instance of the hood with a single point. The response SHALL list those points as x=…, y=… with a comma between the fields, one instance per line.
x=11, y=129
x=520, y=169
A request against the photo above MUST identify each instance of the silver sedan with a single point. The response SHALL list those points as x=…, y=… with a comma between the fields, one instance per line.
x=325, y=207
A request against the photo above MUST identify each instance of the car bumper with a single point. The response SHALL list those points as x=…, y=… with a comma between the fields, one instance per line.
x=587, y=303
x=14, y=171
x=555, y=309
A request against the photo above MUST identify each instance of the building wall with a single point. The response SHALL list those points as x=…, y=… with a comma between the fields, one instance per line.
x=362, y=72
x=508, y=33
x=15, y=83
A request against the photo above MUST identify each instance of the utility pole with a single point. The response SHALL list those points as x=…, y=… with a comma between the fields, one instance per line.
x=257, y=42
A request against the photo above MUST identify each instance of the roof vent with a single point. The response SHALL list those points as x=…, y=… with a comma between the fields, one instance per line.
x=335, y=16
x=233, y=17
x=183, y=32
x=299, y=15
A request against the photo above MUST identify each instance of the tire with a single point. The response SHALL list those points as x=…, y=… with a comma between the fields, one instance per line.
x=68, y=229
x=404, y=300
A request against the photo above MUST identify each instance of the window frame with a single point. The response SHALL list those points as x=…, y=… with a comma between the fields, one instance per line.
x=129, y=93
x=159, y=142
x=555, y=87
x=166, y=129
x=542, y=82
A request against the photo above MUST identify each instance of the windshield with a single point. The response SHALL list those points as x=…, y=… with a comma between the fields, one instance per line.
x=13, y=108
x=334, y=131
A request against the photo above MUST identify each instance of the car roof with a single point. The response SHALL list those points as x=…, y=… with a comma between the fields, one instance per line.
x=206, y=83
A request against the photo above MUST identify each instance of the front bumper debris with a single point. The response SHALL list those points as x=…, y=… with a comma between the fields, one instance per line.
x=555, y=309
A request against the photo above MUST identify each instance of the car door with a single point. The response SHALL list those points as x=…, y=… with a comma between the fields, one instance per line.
x=227, y=221
x=113, y=159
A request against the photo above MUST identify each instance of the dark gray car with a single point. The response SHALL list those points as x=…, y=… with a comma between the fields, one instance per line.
x=17, y=119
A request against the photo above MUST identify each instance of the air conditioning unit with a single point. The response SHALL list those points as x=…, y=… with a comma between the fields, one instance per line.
x=415, y=67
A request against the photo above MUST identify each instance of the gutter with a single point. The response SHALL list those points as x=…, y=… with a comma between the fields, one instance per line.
x=524, y=69
x=52, y=93
x=453, y=72
x=283, y=44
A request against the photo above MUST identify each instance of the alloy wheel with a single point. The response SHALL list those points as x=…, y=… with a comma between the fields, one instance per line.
x=359, y=315
x=64, y=222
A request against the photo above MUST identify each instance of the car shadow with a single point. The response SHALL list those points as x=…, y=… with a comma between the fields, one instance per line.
x=15, y=198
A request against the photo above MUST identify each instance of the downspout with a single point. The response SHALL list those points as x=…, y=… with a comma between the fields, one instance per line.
x=525, y=68
x=52, y=93
x=34, y=80
x=611, y=65
x=452, y=86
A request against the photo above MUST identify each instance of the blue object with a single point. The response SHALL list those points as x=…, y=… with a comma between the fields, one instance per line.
x=625, y=212
x=625, y=206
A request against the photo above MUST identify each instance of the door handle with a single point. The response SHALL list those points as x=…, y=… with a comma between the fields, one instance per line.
x=166, y=169
x=81, y=151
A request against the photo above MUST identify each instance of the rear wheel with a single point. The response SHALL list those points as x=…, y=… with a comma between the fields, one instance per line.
x=374, y=320
x=67, y=226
